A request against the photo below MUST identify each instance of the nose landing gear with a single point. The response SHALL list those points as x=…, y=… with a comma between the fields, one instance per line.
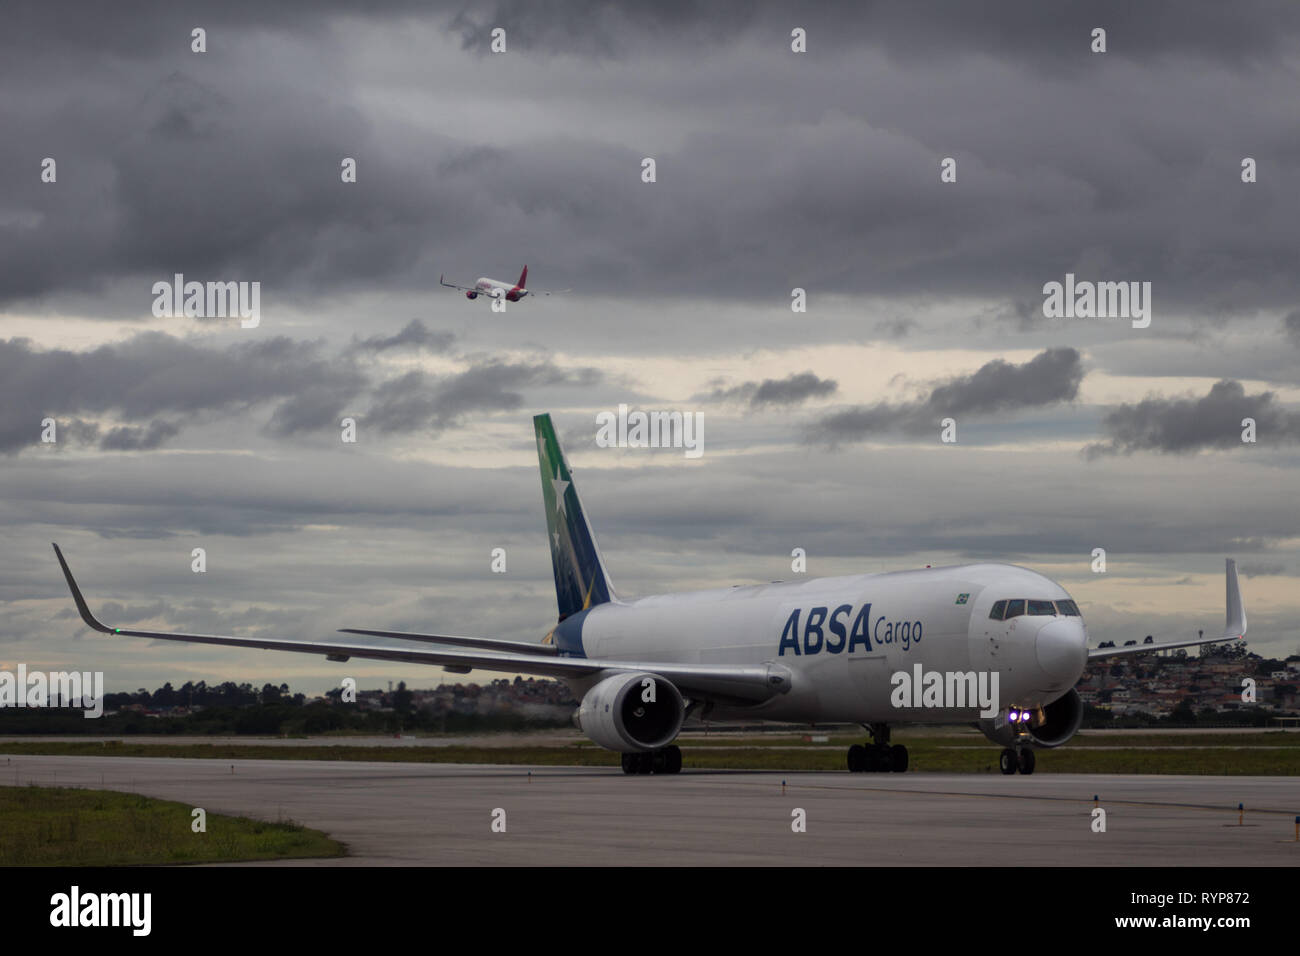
x=877, y=756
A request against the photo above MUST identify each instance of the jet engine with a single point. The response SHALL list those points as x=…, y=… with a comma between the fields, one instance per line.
x=632, y=712
x=1050, y=727
x=471, y=295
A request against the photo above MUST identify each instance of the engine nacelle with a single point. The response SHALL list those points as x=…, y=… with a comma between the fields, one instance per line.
x=632, y=712
x=471, y=295
x=1061, y=720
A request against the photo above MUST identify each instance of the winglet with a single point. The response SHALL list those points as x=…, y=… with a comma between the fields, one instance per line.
x=76, y=596
x=1235, y=624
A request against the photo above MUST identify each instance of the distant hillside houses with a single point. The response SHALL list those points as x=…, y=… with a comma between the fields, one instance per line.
x=1159, y=684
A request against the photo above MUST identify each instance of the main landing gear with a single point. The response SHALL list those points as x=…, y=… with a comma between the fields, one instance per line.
x=665, y=760
x=1016, y=759
x=877, y=756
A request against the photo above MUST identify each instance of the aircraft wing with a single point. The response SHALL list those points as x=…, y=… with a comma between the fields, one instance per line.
x=463, y=288
x=486, y=643
x=1234, y=627
x=734, y=683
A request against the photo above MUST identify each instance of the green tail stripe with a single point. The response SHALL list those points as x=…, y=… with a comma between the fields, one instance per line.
x=580, y=578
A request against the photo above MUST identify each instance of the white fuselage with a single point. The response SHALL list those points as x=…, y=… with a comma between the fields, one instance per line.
x=843, y=638
x=491, y=287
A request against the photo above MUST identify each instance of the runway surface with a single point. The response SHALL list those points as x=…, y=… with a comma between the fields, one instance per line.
x=441, y=814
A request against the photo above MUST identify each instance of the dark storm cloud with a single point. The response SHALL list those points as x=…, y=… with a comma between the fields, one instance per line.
x=153, y=373
x=1022, y=30
x=415, y=335
x=894, y=328
x=794, y=389
x=1050, y=377
x=1291, y=325
x=79, y=431
x=182, y=174
x=89, y=29
x=420, y=402
x=315, y=406
x=225, y=165
x=139, y=438
x=1012, y=28
x=1180, y=425
x=489, y=384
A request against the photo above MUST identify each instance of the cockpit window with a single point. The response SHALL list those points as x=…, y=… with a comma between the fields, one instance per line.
x=999, y=608
x=1068, y=608
x=1042, y=607
x=1015, y=608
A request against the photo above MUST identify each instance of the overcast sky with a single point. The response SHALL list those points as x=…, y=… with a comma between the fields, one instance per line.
x=775, y=170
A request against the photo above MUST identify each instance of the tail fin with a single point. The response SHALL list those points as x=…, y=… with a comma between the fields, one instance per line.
x=523, y=278
x=580, y=578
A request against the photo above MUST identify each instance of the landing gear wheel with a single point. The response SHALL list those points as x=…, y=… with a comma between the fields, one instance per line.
x=672, y=759
x=1008, y=761
x=898, y=758
x=665, y=760
x=857, y=758
x=884, y=759
x=1026, y=761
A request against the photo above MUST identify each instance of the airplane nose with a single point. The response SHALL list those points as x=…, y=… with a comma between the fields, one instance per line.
x=1062, y=649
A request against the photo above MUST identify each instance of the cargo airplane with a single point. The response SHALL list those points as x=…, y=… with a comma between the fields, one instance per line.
x=826, y=650
x=496, y=289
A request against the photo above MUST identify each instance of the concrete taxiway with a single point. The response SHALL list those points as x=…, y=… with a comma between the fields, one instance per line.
x=441, y=814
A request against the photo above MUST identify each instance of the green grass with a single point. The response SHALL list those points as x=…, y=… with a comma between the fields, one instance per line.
x=916, y=737
x=1271, y=754
x=60, y=826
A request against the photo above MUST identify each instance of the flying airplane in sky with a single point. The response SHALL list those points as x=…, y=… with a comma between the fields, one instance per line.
x=496, y=289
x=994, y=644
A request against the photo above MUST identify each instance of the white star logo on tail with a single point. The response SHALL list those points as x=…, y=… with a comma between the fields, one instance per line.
x=560, y=486
x=557, y=483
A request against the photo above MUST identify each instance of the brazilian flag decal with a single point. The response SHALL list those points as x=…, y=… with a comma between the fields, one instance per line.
x=580, y=578
x=963, y=598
